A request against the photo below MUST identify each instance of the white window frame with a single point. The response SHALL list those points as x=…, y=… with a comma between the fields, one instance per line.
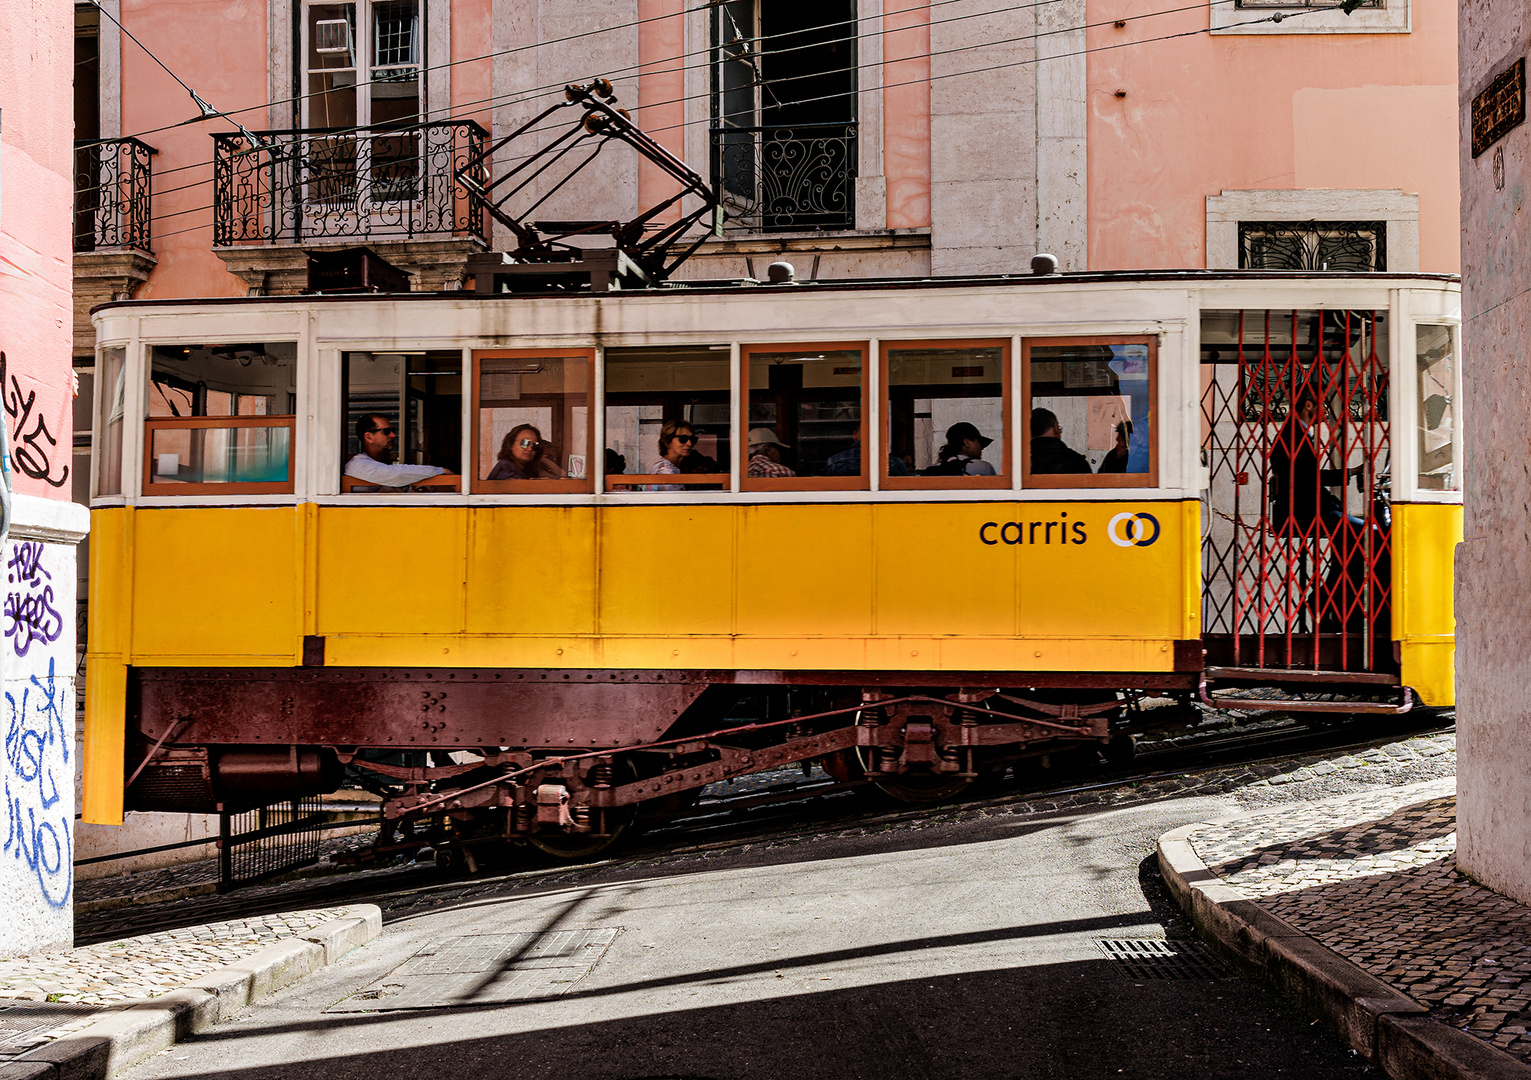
x=1393, y=17
x=1399, y=210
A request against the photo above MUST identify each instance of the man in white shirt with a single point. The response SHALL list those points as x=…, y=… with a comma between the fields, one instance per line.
x=377, y=437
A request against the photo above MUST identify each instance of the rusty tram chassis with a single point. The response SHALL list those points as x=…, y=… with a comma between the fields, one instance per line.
x=229, y=739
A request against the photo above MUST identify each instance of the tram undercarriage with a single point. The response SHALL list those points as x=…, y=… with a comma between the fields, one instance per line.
x=565, y=760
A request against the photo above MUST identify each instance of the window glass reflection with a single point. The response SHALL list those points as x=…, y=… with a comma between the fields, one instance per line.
x=809, y=402
x=1088, y=409
x=667, y=419
x=1435, y=353
x=946, y=411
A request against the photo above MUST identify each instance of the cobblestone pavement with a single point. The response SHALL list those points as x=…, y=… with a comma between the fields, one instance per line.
x=1374, y=878
x=147, y=966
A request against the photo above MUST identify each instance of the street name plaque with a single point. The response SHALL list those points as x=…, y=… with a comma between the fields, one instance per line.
x=1501, y=107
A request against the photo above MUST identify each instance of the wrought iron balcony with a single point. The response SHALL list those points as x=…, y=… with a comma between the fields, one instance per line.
x=785, y=178
x=111, y=195
x=391, y=182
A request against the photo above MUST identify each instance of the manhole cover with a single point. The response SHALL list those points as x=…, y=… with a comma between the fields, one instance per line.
x=22, y=1024
x=1151, y=958
x=481, y=969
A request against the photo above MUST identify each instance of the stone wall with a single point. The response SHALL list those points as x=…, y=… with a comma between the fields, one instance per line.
x=1494, y=562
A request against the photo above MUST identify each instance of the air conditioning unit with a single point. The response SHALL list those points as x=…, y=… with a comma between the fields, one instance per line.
x=332, y=37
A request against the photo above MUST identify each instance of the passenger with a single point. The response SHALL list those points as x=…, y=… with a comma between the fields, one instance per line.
x=1116, y=460
x=676, y=441
x=616, y=465
x=1049, y=453
x=963, y=453
x=1301, y=490
x=848, y=462
x=523, y=456
x=765, y=454
x=374, y=465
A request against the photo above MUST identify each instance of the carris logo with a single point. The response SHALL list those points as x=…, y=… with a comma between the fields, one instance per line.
x=1133, y=530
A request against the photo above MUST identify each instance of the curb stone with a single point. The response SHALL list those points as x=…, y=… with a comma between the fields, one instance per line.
x=1388, y=1028
x=131, y=1033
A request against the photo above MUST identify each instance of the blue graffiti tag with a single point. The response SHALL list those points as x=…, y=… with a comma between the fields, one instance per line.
x=29, y=611
x=35, y=728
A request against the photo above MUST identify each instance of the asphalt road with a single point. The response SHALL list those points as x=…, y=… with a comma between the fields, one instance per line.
x=959, y=948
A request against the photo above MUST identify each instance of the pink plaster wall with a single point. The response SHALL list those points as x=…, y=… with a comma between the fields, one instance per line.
x=1241, y=112
x=202, y=41
x=661, y=107
x=906, y=112
x=472, y=72
x=36, y=196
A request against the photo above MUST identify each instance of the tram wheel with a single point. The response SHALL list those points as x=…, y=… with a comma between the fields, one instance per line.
x=579, y=846
x=921, y=788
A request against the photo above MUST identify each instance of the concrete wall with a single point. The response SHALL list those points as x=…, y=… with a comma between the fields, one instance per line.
x=37, y=653
x=1494, y=562
x=1267, y=107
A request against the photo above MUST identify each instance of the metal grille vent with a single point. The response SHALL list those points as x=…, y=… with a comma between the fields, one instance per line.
x=22, y=1025
x=1150, y=958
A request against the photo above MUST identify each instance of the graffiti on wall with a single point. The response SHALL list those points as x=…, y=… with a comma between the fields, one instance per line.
x=30, y=614
x=32, y=451
x=37, y=778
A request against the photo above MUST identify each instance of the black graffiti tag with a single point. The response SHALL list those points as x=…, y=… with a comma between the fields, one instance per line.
x=31, y=450
x=29, y=612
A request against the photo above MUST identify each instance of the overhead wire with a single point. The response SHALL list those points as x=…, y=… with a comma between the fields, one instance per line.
x=1275, y=17
x=530, y=95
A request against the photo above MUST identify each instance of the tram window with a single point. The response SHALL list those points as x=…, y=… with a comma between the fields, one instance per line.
x=531, y=428
x=946, y=408
x=420, y=395
x=1089, y=406
x=1435, y=352
x=111, y=386
x=649, y=389
x=809, y=398
x=220, y=419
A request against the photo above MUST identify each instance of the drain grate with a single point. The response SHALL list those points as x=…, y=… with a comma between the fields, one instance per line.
x=481, y=969
x=22, y=1025
x=1153, y=958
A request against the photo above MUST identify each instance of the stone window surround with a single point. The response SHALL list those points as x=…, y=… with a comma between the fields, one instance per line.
x=1399, y=210
x=1392, y=18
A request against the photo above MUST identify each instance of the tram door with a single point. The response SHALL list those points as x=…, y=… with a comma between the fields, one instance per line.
x=1296, y=567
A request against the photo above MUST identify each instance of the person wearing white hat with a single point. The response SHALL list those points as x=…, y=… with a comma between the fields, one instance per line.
x=765, y=454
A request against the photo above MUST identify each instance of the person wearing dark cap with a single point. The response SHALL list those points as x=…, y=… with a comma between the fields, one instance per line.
x=963, y=453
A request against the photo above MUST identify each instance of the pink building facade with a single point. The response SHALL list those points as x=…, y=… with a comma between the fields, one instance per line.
x=37, y=651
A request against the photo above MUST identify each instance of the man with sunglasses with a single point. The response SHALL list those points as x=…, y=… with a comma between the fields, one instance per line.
x=374, y=465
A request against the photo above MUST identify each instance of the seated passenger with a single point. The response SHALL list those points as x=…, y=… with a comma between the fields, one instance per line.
x=848, y=462
x=676, y=441
x=523, y=457
x=963, y=453
x=765, y=454
x=1116, y=460
x=1049, y=453
x=374, y=465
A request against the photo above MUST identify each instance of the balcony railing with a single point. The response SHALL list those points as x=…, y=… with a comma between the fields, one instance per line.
x=393, y=182
x=786, y=178
x=111, y=194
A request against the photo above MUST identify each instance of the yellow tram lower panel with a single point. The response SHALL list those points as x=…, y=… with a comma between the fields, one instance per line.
x=1425, y=539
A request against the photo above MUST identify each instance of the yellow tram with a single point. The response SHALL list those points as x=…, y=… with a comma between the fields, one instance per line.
x=551, y=630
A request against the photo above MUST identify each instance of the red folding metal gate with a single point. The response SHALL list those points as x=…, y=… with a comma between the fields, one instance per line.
x=1296, y=563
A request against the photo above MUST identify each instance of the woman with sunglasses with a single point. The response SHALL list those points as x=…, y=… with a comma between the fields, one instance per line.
x=522, y=457
x=676, y=440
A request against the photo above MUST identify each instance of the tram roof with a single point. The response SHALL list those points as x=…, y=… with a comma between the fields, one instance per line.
x=743, y=285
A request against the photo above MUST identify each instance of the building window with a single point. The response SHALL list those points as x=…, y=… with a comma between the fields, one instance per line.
x=362, y=71
x=1089, y=406
x=784, y=114
x=1313, y=245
